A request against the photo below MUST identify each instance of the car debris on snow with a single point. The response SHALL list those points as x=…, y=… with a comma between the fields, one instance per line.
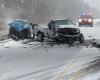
x=96, y=43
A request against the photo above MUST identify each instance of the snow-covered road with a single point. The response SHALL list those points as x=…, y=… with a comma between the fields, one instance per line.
x=34, y=61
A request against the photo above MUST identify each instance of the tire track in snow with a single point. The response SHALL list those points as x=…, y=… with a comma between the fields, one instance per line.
x=31, y=73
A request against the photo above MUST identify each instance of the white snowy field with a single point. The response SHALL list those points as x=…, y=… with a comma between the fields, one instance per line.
x=34, y=61
x=91, y=32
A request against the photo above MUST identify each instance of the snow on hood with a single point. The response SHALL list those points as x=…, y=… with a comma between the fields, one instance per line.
x=67, y=26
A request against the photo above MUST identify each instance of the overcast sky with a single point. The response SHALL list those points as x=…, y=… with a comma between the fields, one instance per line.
x=94, y=3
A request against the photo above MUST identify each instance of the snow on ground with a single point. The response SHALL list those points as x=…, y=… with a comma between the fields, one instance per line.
x=45, y=65
x=91, y=32
x=10, y=43
x=16, y=44
x=90, y=76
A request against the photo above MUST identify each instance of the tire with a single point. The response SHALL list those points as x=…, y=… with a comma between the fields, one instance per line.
x=81, y=38
x=14, y=37
x=40, y=37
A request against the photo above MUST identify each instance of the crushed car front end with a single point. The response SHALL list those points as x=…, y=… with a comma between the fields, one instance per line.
x=68, y=34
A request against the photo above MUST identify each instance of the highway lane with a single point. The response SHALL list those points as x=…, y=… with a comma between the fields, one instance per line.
x=37, y=57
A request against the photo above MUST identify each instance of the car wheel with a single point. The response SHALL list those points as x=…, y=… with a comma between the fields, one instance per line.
x=40, y=37
x=81, y=38
x=14, y=37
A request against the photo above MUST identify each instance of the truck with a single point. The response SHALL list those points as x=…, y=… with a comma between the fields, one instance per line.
x=63, y=31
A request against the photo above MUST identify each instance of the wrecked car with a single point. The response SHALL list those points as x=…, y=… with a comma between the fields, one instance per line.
x=20, y=29
x=63, y=31
x=40, y=32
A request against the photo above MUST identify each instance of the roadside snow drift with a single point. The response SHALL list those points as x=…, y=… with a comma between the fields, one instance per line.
x=10, y=44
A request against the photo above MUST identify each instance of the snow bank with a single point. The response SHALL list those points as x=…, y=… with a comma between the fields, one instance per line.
x=95, y=76
x=10, y=43
x=91, y=32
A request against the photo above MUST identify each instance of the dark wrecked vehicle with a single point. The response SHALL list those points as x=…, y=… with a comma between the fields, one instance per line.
x=60, y=31
x=64, y=31
x=20, y=29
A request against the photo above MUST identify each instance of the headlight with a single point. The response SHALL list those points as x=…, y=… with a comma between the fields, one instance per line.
x=80, y=20
x=89, y=20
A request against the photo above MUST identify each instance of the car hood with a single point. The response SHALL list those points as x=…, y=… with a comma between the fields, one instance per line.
x=67, y=26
